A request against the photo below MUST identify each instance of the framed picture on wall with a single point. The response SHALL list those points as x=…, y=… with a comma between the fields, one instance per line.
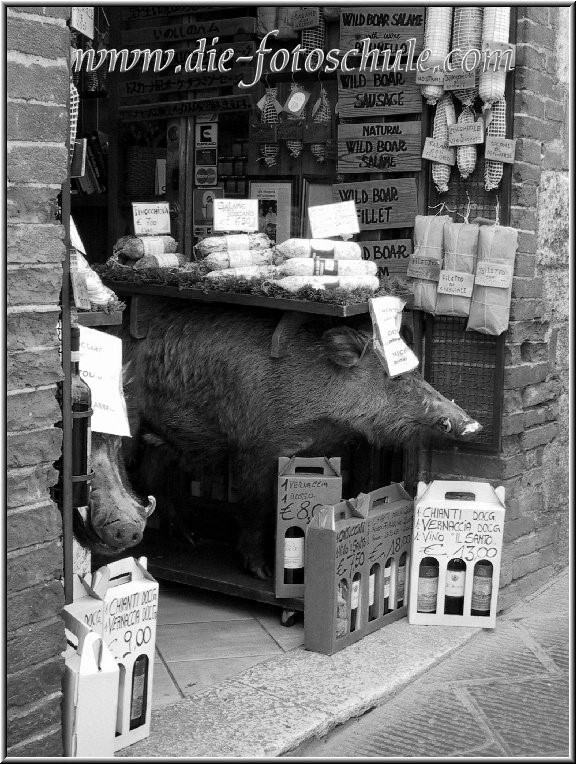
x=314, y=192
x=274, y=208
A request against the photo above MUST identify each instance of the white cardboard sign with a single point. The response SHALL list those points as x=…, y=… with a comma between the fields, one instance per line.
x=151, y=219
x=340, y=219
x=236, y=215
x=101, y=369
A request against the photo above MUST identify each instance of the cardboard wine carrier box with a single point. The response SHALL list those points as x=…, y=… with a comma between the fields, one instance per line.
x=120, y=601
x=357, y=555
x=456, y=553
x=304, y=485
x=89, y=693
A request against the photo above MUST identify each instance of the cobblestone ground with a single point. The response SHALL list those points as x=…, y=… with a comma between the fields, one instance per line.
x=504, y=693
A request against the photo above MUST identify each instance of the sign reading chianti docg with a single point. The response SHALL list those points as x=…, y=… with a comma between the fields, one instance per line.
x=380, y=203
x=387, y=28
x=375, y=94
x=376, y=147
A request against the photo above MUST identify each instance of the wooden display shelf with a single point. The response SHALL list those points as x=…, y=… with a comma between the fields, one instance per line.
x=214, y=566
x=100, y=318
x=233, y=298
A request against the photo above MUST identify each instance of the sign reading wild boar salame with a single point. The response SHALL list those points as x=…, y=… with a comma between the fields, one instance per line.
x=390, y=255
x=387, y=28
x=380, y=203
x=375, y=94
x=377, y=147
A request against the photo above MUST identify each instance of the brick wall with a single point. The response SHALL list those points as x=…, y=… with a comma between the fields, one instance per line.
x=36, y=163
x=533, y=462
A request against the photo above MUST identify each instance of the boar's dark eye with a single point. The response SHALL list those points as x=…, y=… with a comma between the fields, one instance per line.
x=445, y=424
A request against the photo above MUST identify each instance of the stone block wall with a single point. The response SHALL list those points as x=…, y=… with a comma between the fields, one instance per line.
x=533, y=461
x=37, y=49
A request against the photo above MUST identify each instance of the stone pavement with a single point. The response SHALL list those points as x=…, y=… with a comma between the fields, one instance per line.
x=436, y=691
x=503, y=694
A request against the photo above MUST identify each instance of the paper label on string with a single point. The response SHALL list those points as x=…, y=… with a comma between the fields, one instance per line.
x=430, y=77
x=466, y=134
x=460, y=79
x=491, y=274
x=333, y=219
x=499, y=56
x=456, y=283
x=239, y=258
x=153, y=245
x=500, y=149
x=438, y=151
x=421, y=267
x=395, y=355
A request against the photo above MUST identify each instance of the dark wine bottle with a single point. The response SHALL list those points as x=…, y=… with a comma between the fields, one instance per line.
x=372, y=584
x=294, y=556
x=401, y=579
x=482, y=588
x=355, y=603
x=454, y=592
x=386, y=586
x=138, y=697
x=427, y=585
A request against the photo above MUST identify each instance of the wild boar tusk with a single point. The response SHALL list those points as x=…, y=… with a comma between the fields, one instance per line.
x=472, y=428
x=151, y=506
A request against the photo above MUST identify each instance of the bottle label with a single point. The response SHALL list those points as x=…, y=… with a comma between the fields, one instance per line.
x=74, y=356
x=371, y=585
x=294, y=553
x=153, y=245
x=455, y=580
x=355, y=596
x=427, y=593
x=386, y=584
x=481, y=593
x=138, y=695
x=401, y=580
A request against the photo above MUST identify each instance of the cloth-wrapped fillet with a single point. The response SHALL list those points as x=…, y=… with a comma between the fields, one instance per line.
x=163, y=260
x=460, y=251
x=248, y=272
x=429, y=244
x=294, y=283
x=240, y=259
x=493, y=169
x=339, y=250
x=443, y=117
x=466, y=36
x=495, y=29
x=437, y=42
x=135, y=247
x=233, y=243
x=319, y=266
x=490, y=306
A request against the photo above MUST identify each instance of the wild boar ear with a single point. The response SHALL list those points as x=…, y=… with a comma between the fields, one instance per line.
x=344, y=346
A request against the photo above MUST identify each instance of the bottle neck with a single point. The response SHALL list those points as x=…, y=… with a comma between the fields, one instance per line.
x=75, y=362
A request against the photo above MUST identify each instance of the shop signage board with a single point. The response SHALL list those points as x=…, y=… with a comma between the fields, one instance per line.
x=379, y=147
x=381, y=203
x=375, y=94
x=456, y=520
x=339, y=219
x=172, y=109
x=182, y=83
x=191, y=31
x=390, y=255
x=82, y=20
x=388, y=28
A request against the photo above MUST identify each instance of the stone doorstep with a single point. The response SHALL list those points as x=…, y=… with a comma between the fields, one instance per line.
x=275, y=706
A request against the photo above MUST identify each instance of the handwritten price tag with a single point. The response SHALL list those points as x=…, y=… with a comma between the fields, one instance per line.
x=500, y=149
x=455, y=283
x=427, y=268
x=430, y=77
x=236, y=215
x=466, y=135
x=490, y=274
x=333, y=219
x=459, y=79
x=438, y=151
x=151, y=219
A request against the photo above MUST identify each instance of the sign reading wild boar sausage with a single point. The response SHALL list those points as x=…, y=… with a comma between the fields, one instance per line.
x=375, y=94
x=380, y=203
x=375, y=147
x=387, y=28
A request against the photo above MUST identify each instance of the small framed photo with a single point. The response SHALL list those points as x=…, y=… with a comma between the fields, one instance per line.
x=274, y=208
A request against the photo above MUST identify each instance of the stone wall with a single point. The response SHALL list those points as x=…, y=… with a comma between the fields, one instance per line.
x=36, y=164
x=533, y=461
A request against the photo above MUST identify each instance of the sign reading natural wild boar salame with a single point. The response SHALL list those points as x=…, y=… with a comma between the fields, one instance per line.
x=375, y=94
x=390, y=255
x=380, y=203
x=379, y=147
x=387, y=28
